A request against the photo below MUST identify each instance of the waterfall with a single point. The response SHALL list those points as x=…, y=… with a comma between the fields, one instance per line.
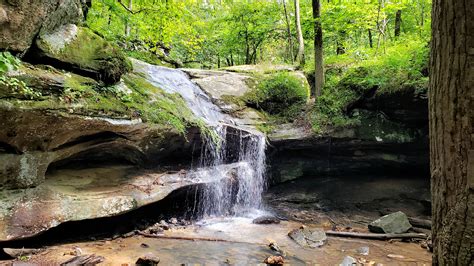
x=241, y=194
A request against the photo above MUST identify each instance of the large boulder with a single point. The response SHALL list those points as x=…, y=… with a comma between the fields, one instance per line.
x=394, y=223
x=22, y=20
x=85, y=52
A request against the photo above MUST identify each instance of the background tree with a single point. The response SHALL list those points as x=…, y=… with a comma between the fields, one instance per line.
x=300, y=56
x=398, y=22
x=451, y=131
x=318, y=49
x=288, y=30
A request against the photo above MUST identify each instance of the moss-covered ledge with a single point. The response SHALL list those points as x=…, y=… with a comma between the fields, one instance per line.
x=81, y=49
x=48, y=115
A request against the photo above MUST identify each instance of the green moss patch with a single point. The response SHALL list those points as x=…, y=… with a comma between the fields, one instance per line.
x=133, y=98
x=87, y=51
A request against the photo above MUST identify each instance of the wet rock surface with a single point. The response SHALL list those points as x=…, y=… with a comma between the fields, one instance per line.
x=308, y=237
x=394, y=223
x=266, y=220
x=348, y=261
x=148, y=260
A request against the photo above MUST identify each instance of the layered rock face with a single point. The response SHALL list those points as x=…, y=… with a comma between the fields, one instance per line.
x=392, y=137
x=32, y=140
x=80, y=194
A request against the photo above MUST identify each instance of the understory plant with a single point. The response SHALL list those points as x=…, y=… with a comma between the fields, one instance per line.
x=14, y=86
x=281, y=94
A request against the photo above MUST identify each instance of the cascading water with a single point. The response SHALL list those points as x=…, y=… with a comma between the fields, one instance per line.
x=241, y=194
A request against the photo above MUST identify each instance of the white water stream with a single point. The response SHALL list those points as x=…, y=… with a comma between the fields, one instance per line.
x=242, y=194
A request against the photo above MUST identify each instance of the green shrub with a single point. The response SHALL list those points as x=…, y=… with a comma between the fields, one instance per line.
x=279, y=94
x=8, y=62
x=12, y=86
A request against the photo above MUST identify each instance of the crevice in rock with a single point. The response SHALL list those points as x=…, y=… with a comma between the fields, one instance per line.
x=105, y=136
x=110, y=153
x=9, y=149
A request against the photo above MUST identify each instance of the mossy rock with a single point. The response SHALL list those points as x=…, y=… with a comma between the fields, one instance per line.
x=81, y=49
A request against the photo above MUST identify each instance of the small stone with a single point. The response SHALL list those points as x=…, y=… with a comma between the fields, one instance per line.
x=274, y=260
x=363, y=251
x=394, y=223
x=148, y=260
x=77, y=251
x=395, y=256
x=173, y=221
x=143, y=245
x=266, y=220
x=348, y=261
x=308, y=237
x=157, y=230
x=274, y=246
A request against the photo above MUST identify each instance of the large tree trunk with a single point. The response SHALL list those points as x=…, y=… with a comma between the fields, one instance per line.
x=451, y=131
x=300, y=56
x=318, y=49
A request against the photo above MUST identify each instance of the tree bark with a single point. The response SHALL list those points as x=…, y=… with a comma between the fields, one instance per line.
x=370, y=39
x=398, y=22
x=318, y=49
x=288, y=32
x=300, y=56
x=127, y=24
x=451, y=131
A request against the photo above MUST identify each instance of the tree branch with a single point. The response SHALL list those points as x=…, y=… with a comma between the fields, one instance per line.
x=375, y=236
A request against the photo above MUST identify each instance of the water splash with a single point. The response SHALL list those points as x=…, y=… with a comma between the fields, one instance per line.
x=240, y=194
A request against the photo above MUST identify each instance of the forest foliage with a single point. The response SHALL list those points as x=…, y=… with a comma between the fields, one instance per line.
x=367, y=43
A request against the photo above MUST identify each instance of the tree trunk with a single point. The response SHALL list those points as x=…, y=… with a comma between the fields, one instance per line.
x=288, y=31
x=371, y=44
x=318, y=49
x=340, y=49
x=398, y=22
x=127, y=24
x=451, y=131
x=300, y=56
